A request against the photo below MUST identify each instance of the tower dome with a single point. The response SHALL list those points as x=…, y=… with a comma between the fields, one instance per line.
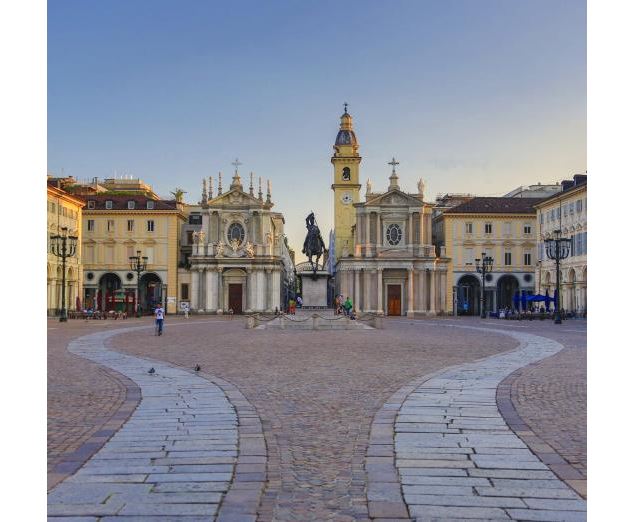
x=346, y=135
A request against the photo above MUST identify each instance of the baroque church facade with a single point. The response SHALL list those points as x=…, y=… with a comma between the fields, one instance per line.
x=234, y=253
x=384, y=257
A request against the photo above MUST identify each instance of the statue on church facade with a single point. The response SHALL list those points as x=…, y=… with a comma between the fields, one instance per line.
x=313, y=243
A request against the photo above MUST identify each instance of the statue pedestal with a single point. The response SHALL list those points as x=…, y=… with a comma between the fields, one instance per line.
x=314, y=289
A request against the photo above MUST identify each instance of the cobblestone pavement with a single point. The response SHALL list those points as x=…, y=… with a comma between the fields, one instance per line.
x=81, y=397
x=553, y=389
x=173, y=459
x=457, y=457
x=316, y=393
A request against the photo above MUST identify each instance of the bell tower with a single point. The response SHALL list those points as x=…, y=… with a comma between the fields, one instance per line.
x=346, y=187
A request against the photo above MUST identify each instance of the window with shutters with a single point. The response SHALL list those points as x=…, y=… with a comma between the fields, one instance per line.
x=527, y=258
x=488, y=228
x=150, y=225
x=507, y=228
x=185, y=291
x=508, y=258
x=130, y=225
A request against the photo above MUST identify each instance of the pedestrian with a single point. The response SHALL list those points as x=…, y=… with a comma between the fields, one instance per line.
x=158, y=314
x=299, y=301
x=348, y=306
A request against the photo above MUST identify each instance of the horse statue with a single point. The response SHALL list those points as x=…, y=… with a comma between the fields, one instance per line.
x=313, y=243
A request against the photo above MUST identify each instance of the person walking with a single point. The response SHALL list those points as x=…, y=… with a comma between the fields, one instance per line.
x=158, y=314
x=299, y=301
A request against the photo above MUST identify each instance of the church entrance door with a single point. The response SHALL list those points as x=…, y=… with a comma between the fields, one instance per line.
x=394, y=299
x=235, y=298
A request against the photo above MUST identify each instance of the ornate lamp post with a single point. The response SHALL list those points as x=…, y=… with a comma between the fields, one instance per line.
x=483, y=266
x=63, y=246
x=557, y=248
x=138, y=264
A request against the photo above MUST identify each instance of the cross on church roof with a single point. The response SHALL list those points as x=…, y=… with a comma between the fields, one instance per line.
x=236, y=164
x=345, y=108
x=394, y=163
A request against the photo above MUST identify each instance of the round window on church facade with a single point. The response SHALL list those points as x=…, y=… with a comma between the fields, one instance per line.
x=393, y=234
x=236, y=231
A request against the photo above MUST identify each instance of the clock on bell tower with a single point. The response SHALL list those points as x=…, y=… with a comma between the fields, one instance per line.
x=346, y=187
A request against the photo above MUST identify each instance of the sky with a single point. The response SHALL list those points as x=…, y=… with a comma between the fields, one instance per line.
x=472, y=96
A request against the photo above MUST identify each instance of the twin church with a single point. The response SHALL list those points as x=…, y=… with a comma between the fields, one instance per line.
x=382, y=255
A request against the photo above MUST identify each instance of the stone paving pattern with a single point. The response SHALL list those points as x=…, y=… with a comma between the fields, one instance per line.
x=82, y=398
x=173, y=459
x=317, y=394
x=457, y=457
x=556, y=389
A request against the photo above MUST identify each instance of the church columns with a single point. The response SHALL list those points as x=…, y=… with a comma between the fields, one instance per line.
x=379, y=231
x=211, y=290
x=367, y=236
x=251, y=283
x=367, y=305
x=274, y=289
x=194, y=292
x=411, y=292
x=356, y=297
x=422, y=306
x=380, y=292
x=423, y=240
x=268, y=290
x=433, y=292
x=411, y=235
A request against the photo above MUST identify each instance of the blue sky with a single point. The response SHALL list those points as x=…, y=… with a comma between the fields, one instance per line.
x=473, y=96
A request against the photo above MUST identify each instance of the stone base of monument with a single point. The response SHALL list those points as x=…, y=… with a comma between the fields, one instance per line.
x=315, y=289
x=313, y=321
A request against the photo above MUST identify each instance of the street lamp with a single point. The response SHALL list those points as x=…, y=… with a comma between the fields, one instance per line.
x=483, y=266
x=138, y=264
x=557, y=248
x=63, y=246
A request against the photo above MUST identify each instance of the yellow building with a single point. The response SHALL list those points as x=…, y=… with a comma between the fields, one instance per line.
x=346, y=186
x=116, y=226
x=64, y=215
x=502, y=228
x=565, y=211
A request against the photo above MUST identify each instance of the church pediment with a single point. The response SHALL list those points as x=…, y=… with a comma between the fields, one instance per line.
x=393, y=198
x=236, y=198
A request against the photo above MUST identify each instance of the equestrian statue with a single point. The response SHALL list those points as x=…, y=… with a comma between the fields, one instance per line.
x=313, y=243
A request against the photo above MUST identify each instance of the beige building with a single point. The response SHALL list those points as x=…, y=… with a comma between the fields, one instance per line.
x=115, y=226
x=502, y=228
x=64, y=211
x=234, y=254
x=565, y=211
x=385, y=261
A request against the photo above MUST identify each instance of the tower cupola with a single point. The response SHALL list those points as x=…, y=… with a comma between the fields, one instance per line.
x=346, y=135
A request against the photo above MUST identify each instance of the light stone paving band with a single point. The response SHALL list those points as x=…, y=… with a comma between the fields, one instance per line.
x=456, y=456
x=174, y=459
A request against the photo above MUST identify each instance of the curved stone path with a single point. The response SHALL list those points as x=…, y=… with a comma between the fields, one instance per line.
x=174, y=459
x=455, y=455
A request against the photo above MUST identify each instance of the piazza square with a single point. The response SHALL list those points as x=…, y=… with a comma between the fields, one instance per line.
x=316, y=262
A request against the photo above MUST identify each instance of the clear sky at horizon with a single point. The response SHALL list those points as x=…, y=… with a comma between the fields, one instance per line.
x=476, y=97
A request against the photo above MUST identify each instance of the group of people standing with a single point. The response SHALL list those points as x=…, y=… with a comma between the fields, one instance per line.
x=344, y=307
